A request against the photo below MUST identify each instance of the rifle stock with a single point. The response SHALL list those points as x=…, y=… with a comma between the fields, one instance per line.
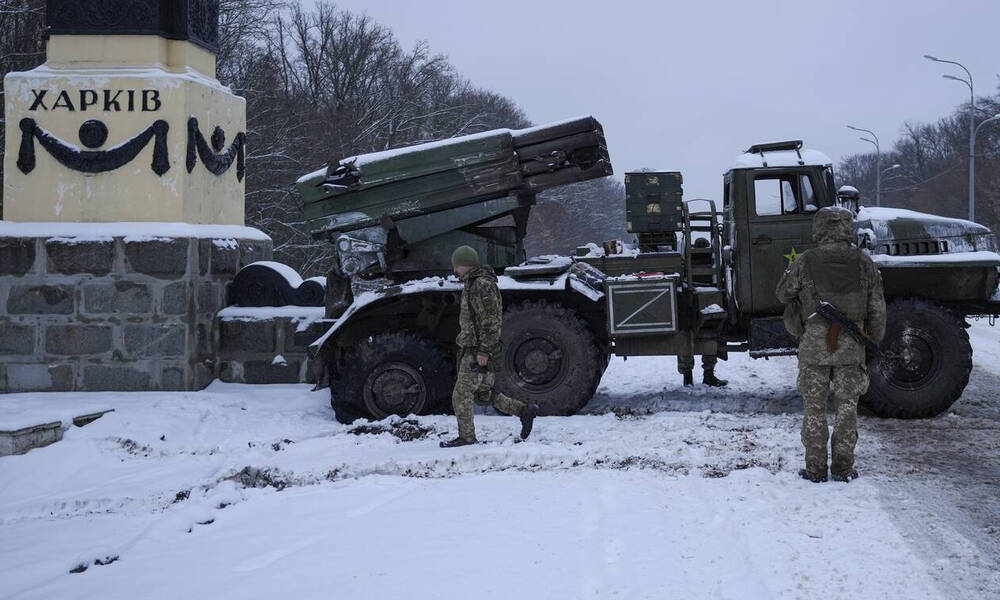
x=832, y=314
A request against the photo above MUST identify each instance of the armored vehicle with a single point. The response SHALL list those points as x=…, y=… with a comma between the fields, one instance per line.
x=391, y=349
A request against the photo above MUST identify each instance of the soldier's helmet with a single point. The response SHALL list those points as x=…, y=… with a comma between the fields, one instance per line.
x=465, y=256
x=833, y=224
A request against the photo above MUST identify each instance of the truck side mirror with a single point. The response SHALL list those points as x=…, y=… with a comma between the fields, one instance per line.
x=849, y=197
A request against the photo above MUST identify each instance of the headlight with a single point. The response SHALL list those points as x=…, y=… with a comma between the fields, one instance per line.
x=985, y=241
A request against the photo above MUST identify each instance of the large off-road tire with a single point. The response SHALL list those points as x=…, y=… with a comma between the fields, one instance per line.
x=924, y=364
x=391, y=374
x=550, y=358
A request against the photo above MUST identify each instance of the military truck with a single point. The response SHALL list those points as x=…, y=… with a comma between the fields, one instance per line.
x=391, y=348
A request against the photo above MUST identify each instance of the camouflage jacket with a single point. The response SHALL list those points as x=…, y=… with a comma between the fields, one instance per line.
x=809, y=279
x=481, y=313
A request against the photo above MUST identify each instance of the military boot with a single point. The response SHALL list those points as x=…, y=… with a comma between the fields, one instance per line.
x=455, y=443
x=812, y=476
x=711, y=380
x=845, y=476
x=528, y=414
x=688, y=378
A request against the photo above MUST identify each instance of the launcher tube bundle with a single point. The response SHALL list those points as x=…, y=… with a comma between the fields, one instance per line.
x=360, y=191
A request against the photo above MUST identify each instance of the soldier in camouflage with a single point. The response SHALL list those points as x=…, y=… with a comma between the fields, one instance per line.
x=480, y=317
x=685, y=362
x=836, y=272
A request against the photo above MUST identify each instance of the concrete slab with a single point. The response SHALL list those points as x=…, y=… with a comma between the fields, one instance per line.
x=22, y=439
x=19, y=441
x=90, y=417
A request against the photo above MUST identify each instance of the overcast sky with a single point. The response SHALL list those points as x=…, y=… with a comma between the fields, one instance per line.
x=688, y=85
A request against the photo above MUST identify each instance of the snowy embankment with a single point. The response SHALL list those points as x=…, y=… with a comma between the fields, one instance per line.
x=254, y=491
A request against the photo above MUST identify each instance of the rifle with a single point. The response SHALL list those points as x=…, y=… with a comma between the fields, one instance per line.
x=839, y=320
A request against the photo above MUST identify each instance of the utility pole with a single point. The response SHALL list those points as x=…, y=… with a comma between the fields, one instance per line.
x=975, y=133
x=878, y=161
x=972, y=130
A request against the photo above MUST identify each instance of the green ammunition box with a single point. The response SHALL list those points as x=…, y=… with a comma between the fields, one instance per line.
x=653, y=201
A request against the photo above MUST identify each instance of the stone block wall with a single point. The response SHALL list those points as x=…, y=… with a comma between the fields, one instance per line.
x=115, y=312
x=269, y=344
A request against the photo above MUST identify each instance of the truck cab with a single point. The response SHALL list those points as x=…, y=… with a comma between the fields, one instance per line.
x=771, y=194
x=936, y=271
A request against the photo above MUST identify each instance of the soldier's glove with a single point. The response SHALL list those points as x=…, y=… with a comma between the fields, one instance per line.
x=475, y=368
x=480, y=375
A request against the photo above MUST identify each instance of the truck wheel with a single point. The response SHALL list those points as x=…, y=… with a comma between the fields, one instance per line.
x=550, y=358
x=391, y=374
x=925, y=362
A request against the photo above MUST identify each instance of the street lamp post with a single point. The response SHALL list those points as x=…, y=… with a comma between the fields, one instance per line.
x=975, y=134
x=878, y=161
x=972, y=130
x=892, y=168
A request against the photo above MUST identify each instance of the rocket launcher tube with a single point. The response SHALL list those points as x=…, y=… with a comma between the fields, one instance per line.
x=440, y=176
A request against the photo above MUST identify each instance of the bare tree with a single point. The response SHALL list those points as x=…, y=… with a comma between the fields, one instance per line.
x=22, y=23
x=572, y=215
x=340, y=84
x=933, y=160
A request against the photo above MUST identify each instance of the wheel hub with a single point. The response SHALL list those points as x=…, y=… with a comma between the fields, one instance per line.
x=394, y=389
x=910, y=359
x=538, y=361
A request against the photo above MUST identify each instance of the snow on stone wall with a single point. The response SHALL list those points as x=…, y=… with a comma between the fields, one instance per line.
x=95, y=307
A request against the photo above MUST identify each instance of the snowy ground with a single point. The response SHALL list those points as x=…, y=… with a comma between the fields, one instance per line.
x=655, y=492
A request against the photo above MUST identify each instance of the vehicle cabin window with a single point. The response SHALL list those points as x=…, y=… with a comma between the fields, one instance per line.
x=831, y=188
x=776, y=195
x=788, y=201
x=808, y=197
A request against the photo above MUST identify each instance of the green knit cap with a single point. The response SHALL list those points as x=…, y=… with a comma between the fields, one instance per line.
x=465, y=256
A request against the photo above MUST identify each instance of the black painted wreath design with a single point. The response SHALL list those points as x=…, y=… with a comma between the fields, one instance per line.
x=93, y=134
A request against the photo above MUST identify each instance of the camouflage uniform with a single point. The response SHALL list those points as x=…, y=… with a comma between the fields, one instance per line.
x=480, y=316
x=685, y=362
x=838, y=273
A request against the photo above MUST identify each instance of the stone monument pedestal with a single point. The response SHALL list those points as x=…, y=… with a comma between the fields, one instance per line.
x=115, y=306
x=124, y=175
x=117, y=126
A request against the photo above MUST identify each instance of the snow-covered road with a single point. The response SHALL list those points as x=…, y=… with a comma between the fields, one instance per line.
x=655, y=492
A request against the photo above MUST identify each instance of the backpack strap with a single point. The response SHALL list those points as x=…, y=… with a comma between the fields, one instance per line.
x=809, y=288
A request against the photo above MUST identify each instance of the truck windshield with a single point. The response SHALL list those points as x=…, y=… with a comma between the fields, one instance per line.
x=831, y=188
x=784, y=194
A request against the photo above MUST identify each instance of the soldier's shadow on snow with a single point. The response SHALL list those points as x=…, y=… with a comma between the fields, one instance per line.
x=980, y=400
x=698, y=398
x=781, y=401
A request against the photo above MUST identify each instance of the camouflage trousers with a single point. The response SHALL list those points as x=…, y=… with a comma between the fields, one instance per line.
x=685, y=362
x=472, y=387
x=814, y=383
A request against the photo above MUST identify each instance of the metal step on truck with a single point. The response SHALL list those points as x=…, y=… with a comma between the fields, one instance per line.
x=699, y=279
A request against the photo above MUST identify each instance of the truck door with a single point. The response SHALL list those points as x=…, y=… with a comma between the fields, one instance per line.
x=780, y=215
